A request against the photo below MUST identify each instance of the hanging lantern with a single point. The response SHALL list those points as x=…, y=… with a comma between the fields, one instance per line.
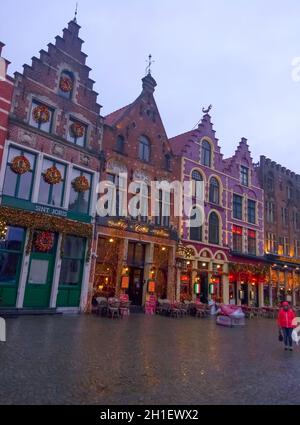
x=211, y=289
x=197, y=288
x=3, y=230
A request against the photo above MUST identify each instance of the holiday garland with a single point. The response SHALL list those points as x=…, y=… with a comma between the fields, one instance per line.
x=44, y=241
x=52, y=175
x=81, y=184
x=41, y=114
x=77, y=129
x=45, y=222
x=66, y=84
x=248, y=268
x=20, y=165
x=3, y=230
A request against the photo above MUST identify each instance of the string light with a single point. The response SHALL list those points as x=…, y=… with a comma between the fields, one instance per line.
x=3, y=230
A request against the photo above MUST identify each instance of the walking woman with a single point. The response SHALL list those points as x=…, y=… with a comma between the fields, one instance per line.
x=285, y=322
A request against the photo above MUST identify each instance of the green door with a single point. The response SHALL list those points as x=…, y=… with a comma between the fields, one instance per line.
x=39, y=281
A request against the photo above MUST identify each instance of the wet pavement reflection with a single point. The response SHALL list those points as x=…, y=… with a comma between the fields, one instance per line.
x=145, y=360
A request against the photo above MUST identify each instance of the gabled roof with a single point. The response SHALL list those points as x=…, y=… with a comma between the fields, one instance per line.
x=178, y=143
x=113, y=118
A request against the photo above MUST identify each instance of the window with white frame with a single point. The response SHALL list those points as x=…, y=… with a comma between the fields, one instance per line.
x=52, y=193
x=80, y=194
x=77, y=132
x=19, y=173
x=41, y=116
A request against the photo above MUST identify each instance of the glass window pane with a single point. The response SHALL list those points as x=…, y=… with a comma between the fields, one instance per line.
x=38, y=272
x=25, y=186
x=70, y=272
x=13, y=240
x=9, y=265
x=10, y=182
x=74, y=247
x=79, y=201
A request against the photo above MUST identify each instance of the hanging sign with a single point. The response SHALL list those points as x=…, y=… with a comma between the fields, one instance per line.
x=125, y=282
x=151, y=286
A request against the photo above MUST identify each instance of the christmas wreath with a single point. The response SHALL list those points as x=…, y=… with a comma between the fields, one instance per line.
x=66, y=84
x=20, y=165
x=44, y=241
x=41, y=114
x=81, y=184
x=52, y=175
x=77, y=129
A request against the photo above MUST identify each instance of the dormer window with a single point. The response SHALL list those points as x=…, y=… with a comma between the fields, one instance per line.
x=66, y=84
x=206, y=154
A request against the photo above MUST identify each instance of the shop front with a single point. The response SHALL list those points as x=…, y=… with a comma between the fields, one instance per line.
x=283, y=280
x=247, y=283
x=44, y=260
x=202, y=276
x=134, y=259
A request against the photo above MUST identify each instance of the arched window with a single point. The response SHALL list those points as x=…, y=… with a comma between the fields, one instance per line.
x=206, y=153
x=120, y=146
x=144, y=149
x=214, y=235
x=66, y=84
x=197, y=177
x=214, y=191
x=195, y=228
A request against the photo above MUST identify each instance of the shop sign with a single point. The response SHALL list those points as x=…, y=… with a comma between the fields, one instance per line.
x=44, y=209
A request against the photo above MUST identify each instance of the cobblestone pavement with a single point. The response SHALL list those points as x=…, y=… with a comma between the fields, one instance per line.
x=145, y=360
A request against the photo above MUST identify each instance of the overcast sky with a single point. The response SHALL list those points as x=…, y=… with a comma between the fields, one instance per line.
x=234, y=54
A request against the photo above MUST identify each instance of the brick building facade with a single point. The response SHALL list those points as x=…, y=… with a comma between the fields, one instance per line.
x=6, y=92
x=49, y=172
x=132, y=251
x=225, y=261
x=282, y=230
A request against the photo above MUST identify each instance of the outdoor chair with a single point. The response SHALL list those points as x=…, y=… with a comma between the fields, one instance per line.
x=102, y=306
x=113, y=308
x=124, y=308
x=175, y=310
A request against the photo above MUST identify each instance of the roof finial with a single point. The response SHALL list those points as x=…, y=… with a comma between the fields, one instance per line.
x=206, y=111
x=150, y=62
x=76, y=13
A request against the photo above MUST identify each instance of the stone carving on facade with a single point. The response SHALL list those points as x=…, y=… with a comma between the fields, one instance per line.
x=84, y=159
x=115, y=167
x=58, y=150
x=140, y=175
x=26, y=138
